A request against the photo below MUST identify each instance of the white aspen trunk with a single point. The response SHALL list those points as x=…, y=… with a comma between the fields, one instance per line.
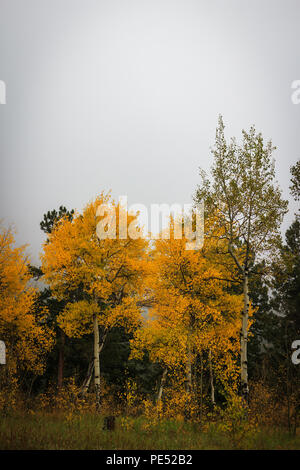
x=85, y=386
x=161, y=386
x=244, y=339
x=88, y=378
x=211, y=377
x=96, y=362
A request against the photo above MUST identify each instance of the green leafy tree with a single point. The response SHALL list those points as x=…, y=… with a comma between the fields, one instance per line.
x=249, y=207
x=295, y=180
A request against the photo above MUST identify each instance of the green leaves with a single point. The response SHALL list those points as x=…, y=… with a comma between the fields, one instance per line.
x=243, y=192
x=52, y=217
x=295, y=186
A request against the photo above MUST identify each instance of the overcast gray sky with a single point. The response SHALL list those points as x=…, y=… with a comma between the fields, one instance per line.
x=125, y=95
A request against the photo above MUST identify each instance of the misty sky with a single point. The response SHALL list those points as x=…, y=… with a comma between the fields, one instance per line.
x=125, y=95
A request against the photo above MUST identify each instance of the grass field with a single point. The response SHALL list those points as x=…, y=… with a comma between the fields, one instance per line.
x=50, y=432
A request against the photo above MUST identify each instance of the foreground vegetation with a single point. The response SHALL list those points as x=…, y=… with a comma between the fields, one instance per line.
x=65, y=421
x=59, y=432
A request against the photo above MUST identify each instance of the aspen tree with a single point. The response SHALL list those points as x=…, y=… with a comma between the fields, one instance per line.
x=108, y=272
x=22, y=324
x=245, y=197
x=192, y=311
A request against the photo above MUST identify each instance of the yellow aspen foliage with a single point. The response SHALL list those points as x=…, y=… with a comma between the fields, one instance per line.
x=195, y=309
x=96, y=276
x=22, y=327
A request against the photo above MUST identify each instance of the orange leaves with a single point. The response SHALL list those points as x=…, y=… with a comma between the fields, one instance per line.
x=106, y=274
x=75, y=320
x=164, y=343
x=21, y=328
x=194, y=308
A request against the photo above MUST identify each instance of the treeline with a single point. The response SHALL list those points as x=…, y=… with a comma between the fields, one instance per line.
x=154, y=324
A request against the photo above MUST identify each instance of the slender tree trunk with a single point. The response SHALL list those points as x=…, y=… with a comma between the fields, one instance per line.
x=161, y=386
x=201, y=386
x=288, y=382
x=244, y=339
x=85, y=386
x=61, y=360
x=31, y=385
x=211, y=378
x=288, y=404
x=296, y=414
x=86, y=383
x=97, y=362
x=188, y=382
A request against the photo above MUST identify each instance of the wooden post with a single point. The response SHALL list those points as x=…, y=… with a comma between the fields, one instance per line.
x=109, y=423
x=2, y=353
